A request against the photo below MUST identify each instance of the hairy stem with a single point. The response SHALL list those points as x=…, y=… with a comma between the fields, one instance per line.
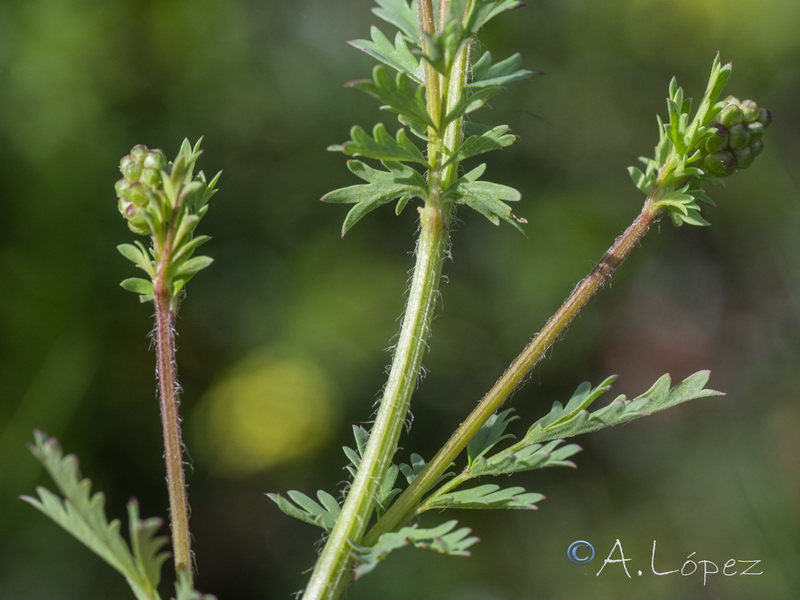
x=405, y=507
x=333, y=570
x=170, y=420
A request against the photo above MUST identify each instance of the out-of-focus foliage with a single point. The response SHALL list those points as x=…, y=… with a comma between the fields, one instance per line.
x=82, y=81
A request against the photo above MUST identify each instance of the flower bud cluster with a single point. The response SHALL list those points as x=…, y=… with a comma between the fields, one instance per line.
x=736, y=137
x=140, y=185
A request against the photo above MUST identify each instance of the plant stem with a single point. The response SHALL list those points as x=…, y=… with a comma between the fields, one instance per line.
x=170, y=419
x=405, y=507
x=333, y=570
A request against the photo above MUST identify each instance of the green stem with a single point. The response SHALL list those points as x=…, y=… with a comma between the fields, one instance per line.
x=405, y=507
x=333, y=570
x=170, y=419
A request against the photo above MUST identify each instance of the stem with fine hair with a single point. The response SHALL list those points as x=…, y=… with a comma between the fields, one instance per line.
x=333, y=570
x=165, y=307
x=404, y=508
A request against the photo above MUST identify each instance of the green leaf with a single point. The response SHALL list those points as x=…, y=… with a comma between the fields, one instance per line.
x=192, y=266
x=486, y=74
x=402, y=15
x=397, y=96
x=486, y=10
x=148, y=547
x=563, y=422
x=488, y=496
x=138, y=286
x=323, y=513
x=138, y=256
x=468, y=103
x=489, y=199
x=382, y=146
x=396, y=55
x=400, y=183
x=525, y=456
x=444, y=539
x=184, y=588
x=492, y=432
x=494, y=139
x=82, y=514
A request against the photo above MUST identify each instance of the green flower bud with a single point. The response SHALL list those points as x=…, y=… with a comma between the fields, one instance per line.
x=739, y=137
x=138, y=194
x=121, y=187
x=134, y=215
x=750, y=111
x=132, y=171
x=757, y=147
x=730, y=115
x=155, y=159
x=720, y=163
x=756, y=131
x=151, y=177
x=139, y=152
x=765, y=116
x=718, y=138
x=744, y=157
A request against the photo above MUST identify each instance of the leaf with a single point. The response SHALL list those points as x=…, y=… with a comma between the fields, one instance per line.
x=323, y=513
x=397, y=96
x=444, y=539
x=148, y=547
x=143, y=287
x=402, y=15
x=621, y=410
x=138, y=256
x=468, y=103
x=581, y=399
x=192, y=266
x=412, y=470
x=400, y=183
x=494, y=139
x=486, y=10
x=382, y=146
x=82, y=514
x=489, y=199
x=184, y=588
x=492, y=432
x=396, y=55
x=486, y=74
x=488, y=496
x=525, y=456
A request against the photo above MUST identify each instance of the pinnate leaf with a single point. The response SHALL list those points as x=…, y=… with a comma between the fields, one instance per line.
x=525, y=456
x=396, y=55
x=402, y=15
x=564, y=422
x=445, y=539
x=489, y=199
x=494, y=139
x=492, y=432
x=486, y=74
x=323, y=513
x=400, y=182
x=382, y=146
x=397, y=95
x=82, y=514
x=488, y=496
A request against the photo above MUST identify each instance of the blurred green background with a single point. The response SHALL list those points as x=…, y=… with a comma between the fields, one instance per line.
x=282, y=342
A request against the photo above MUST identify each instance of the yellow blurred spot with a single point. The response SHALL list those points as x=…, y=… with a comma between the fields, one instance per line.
x=267, y=411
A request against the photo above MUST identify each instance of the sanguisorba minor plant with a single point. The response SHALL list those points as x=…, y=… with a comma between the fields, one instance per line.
x=431, y=80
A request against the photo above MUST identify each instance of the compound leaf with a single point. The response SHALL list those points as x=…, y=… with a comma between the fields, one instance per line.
x=444, y=539
x=82, y=514
x=323, y=513
x=488, y=496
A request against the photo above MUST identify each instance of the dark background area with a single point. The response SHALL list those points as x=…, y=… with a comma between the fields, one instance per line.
x=283, y=340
